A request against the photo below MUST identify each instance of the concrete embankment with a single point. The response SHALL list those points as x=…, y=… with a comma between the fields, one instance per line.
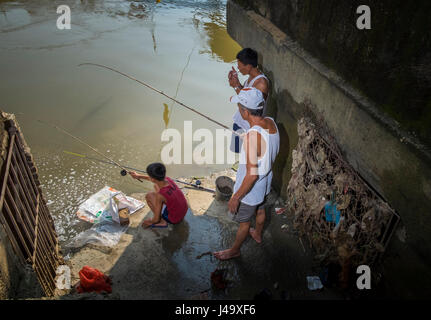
x=391, y=160
x=176, y=262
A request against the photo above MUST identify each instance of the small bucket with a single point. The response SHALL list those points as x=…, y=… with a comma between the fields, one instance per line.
x=224, y=188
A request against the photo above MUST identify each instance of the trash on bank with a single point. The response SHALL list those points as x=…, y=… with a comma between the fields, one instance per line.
x=105, y=233
x=331, y=212
x=218, y=278
x=92, y=279
x=332, y=205
x=280, y=210
x=314, y=283
x=108, y=210
x=105, y=204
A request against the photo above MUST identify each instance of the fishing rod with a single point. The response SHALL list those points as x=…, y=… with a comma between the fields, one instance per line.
x=161, y=92
x=196, y=185
x=123, y=171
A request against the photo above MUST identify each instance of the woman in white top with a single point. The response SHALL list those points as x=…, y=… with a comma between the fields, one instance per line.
x=247, y=64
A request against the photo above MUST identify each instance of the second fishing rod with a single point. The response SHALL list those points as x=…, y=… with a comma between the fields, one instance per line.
x=123, y=172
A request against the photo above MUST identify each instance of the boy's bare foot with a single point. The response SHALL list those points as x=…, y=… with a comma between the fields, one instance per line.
x=253, y=234
x=226, y=254
x=148, y=223
x=160, y=224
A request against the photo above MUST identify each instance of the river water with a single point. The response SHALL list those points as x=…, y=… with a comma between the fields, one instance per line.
x=180, y=47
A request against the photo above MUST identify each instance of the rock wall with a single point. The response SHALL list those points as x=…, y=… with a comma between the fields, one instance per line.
x=393, y=162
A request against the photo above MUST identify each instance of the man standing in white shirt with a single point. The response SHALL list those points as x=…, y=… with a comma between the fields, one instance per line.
x=254, y=176
x=247, y=65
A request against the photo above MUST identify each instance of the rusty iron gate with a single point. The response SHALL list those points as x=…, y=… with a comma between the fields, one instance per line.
x=25, y=215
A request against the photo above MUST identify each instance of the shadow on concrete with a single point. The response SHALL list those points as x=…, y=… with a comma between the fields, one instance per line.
x=175, y=263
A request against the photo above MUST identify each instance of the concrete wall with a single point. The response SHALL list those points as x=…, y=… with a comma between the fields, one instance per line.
x=388, y=158
x=390, y=63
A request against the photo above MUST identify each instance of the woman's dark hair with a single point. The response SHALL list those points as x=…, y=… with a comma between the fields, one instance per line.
x=156, y=171
x=247, y=56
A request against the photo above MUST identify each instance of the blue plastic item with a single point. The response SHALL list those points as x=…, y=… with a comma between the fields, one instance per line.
x=331, y=212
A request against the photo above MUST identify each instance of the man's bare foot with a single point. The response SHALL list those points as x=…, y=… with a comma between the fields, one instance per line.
x=253, y=234
x=226, y=254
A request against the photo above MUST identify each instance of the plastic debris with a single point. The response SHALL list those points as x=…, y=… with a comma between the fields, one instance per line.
x=218, y=279
x=104, y=206
x=92, y=279
x=106, y=234
x=280, y=210
x=108, y=209
x=324, y=189
x=314, y=283
x=331, y=212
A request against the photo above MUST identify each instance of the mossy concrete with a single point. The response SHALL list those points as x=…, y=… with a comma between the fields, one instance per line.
x=390, y=62
x=393, y=162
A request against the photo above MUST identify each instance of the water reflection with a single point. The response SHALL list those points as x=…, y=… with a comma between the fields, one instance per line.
x=177, y=46
x=166, y=114
x=211, y=25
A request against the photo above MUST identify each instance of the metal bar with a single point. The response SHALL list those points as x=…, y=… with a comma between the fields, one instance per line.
x=25, y=216
x=42, y=276
x=30, y=174
x=35, y=238
x=12, y=238
x=8, y=161
x=41, y=240
x=50, y=235
x=20, y=221
x=17, y=230
x=43, y=263
x=46, y=249
x=22, y=197
x=17, y=201
x=24, y=176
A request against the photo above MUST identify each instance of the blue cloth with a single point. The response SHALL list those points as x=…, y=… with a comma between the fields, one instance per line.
x=331, y=212
x=235, y=128
x=165, y=214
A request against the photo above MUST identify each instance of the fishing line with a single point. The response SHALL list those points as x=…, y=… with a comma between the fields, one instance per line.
x=123, y=172
x=162, y=93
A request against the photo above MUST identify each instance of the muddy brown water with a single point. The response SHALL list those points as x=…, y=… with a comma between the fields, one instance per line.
x=179, y=47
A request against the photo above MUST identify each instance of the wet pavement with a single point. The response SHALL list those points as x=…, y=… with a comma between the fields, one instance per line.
x=174, y=263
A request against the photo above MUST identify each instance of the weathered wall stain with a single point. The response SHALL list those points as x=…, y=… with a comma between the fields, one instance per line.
x=391, y=63
x=394, y=163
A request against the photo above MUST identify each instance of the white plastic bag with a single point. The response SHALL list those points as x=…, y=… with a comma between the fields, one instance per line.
x=101, y=209
x=105, y=233
x=101, y=206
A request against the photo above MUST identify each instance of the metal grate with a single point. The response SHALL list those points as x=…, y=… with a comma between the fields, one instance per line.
x=25, y=216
